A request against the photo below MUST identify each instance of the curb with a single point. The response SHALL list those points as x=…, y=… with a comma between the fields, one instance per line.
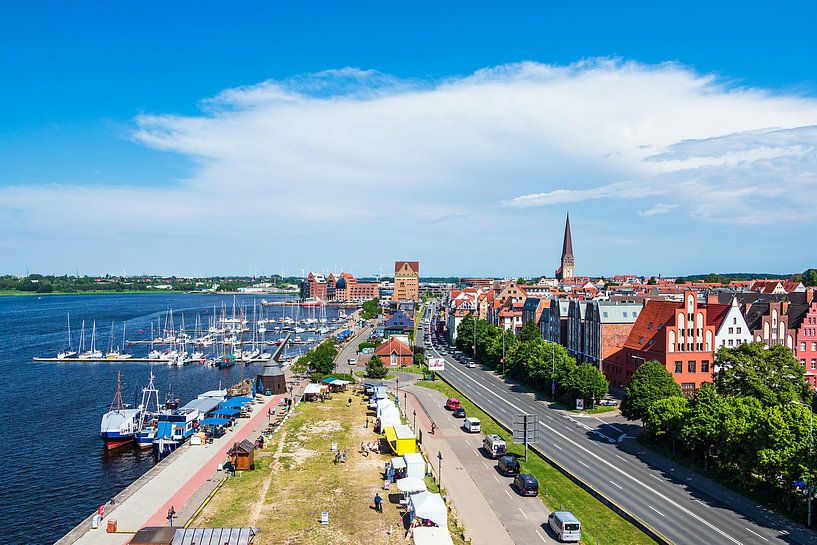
x=654, y=534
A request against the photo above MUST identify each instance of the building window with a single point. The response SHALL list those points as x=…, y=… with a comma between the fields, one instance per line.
x=731, y=330
x=649, y=325
x=730, y=342
x=813, y=346
x=691, y=366
x=704, y=366
x=737, y=330
x=640, y=340
x=679, y=367
x=802, y=346
x=813, y=364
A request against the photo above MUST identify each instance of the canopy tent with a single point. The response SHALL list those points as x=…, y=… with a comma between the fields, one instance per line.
x=236, y=401
x=428, y=506
x=411, y=485
x=328, y=380
x=415, y=465
x=226, y=411
x=340, y=382
x=312, y=389
x=398, y=463
x=389, y=420
x=431, y=535
x=214, y=421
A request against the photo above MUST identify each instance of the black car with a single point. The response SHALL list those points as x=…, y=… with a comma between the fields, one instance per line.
x=508, y=466
x=459, y=412
x=527, y=485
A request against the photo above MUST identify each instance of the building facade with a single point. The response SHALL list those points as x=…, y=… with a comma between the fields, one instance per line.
x=406, y=281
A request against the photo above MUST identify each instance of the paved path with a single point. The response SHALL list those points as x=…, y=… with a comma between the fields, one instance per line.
x=481, y=522
x=179, y=480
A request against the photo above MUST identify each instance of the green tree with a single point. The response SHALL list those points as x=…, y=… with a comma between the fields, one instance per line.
x=44, y=287
x=772, y=375
x=419, y=359
x=810, y=277
x=666, y=418
x=320, y=359
x=530, y=332
x=649, y=383
x=652, y=281
x=586, y=382
x=370, y=309
x=703, y=428
x=375, y=368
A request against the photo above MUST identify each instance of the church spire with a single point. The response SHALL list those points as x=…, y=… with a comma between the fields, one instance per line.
x=565, y=269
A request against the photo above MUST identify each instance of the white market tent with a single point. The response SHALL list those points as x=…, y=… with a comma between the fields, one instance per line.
x=398, y=463
x=312, y=389
x=430, y=535
x=426, y=505
x=389, y=420
x=339, y=382
x=387, y=410
x=411, y=485
x=384, y=405
x=416, y=465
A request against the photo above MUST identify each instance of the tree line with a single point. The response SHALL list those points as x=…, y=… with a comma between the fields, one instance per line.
x=531, y=360
x=750, y=426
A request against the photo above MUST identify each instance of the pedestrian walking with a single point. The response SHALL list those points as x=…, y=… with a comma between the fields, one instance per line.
x=378, y=503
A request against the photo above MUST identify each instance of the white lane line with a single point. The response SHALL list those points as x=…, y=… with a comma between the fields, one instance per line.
x=486, y=466
x=582, y=463
x=605, y=462
x=619, y=457
x=616, y=485
x=557, y=446
x=656, y=477
x=467, y=443
x=520, y=510
x=540, y=535
x=509, y=494
x=758, y=535
x=657, y=511
x=494, y=476
x=702, y=503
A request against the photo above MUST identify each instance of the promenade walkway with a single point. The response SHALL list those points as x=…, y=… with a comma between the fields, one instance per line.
x=176, y=482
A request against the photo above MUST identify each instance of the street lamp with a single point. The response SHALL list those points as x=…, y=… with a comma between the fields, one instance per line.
x=810, y=448
x=414, y=423
x=440, y=469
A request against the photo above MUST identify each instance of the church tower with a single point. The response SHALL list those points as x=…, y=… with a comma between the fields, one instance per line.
x=565, y=270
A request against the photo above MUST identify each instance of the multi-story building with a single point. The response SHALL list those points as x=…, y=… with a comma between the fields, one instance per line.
x=574, y=338
x=553, y=322
x=607, y=324
x=476, y=282
x=806, y=349
x=677, y=334
x=406, y=281
x=731, y=329
x=314, y=286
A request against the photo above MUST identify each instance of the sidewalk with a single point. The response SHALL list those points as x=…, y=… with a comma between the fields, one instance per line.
x=480, y=521
x=191, y=469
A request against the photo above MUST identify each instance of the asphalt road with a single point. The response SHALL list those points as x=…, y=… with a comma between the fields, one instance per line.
x=680, y=504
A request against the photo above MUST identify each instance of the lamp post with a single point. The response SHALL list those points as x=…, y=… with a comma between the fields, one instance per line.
x=440, y=469
x=414, y=424
x=810, y=449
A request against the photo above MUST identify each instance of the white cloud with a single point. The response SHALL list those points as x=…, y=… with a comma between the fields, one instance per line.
x=321, y=154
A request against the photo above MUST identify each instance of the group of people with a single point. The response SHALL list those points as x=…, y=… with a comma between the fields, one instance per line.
x=366, y=448
x=340, y=457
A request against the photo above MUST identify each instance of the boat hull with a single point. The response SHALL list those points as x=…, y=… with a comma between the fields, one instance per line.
x=114, y=440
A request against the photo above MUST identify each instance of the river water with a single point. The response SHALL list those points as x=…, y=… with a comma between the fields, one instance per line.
x=56, y=471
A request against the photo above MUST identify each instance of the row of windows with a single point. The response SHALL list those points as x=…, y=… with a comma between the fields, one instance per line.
x=803, y=346
x=813, y=363
x=736, y=342
x=691, y=367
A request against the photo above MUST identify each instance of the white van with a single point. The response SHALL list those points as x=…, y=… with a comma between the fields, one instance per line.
x=471, y=425
x=352, y=361
x=566, y=526
x=494, y=445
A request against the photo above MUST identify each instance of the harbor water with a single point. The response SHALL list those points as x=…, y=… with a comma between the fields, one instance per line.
x=56, y=470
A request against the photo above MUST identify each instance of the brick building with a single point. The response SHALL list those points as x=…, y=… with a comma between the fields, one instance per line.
x=406, y=281
x=607, y=324
x=314, y=286
x=806, y=349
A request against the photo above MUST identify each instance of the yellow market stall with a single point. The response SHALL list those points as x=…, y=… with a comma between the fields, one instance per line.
x=400, y=439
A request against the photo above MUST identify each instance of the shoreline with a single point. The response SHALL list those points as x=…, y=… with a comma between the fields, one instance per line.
x=131, y=292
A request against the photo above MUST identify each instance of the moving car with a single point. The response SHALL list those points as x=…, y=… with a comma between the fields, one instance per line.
x=459, y=412
x=452, y=403
x=470, y=364
x=508, y=465
x=526, y=484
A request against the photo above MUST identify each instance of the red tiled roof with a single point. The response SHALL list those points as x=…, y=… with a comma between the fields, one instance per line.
x=655, y=313
x=413, y=265
x=393, y=345
x=715, y=314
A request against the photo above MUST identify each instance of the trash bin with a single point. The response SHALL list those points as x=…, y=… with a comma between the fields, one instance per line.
x=95, y=522
x=111, y=526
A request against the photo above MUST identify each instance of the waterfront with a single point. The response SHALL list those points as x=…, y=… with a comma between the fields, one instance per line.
x=57, y=470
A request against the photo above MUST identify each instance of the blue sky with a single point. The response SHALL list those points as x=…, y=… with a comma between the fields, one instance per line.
x=200, y=139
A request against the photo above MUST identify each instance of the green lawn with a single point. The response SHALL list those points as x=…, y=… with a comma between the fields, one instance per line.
x=600, y=525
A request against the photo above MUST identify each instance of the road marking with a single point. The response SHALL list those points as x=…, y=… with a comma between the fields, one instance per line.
x=758, y=535
x=509, y=494
x=467, y=443
x=657, y=511
x=476, y=451
x=702, y=503
x=520, y=510
x=494, y=476
x=540, y=535
x=603, y=461
x=582, y=463
x=616, y=485
x=486, y=465
x=557, y=446
x=619, y=457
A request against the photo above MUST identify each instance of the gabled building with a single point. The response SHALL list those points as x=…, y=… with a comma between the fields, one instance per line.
x=314, y=287
x=731, y=329
x=677, y=334
x=399, y=323
x=395, y=352
x=553, y=322
x=806, y=349
x=406, y=281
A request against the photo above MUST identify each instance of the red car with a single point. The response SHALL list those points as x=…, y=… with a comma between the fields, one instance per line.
x=452, y=403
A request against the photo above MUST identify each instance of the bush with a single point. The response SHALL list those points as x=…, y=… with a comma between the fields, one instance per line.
x=375, y=368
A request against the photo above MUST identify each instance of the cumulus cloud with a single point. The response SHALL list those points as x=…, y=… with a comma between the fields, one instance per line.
x=327, y=152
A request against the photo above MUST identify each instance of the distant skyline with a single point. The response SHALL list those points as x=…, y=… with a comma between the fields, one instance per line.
x=160, y=139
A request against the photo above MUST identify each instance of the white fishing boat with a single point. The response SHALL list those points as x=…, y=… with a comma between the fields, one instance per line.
x=119, y=424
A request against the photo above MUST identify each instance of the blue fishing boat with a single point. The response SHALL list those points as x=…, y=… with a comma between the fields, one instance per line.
x=148, y=419
x=176, y=426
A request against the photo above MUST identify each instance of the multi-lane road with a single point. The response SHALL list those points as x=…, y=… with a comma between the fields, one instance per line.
x=683, y=506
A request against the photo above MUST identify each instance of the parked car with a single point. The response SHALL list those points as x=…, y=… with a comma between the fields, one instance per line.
x=494, y=445
x=470, y=364
x=508, y=465
x=459, y=412
x=565, y=525
x=526, y=484
x=471, y=425
x=452, y=403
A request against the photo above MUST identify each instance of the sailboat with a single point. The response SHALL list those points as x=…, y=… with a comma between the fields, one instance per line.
x=93, y=353
x=119, y=424
x=68, y=352
x=148, y=418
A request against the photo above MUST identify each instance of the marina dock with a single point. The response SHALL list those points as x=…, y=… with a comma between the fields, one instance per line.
x=134, y=360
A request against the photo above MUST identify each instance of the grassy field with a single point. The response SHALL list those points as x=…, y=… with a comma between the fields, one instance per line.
x=600, y=525
x=296, y=479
